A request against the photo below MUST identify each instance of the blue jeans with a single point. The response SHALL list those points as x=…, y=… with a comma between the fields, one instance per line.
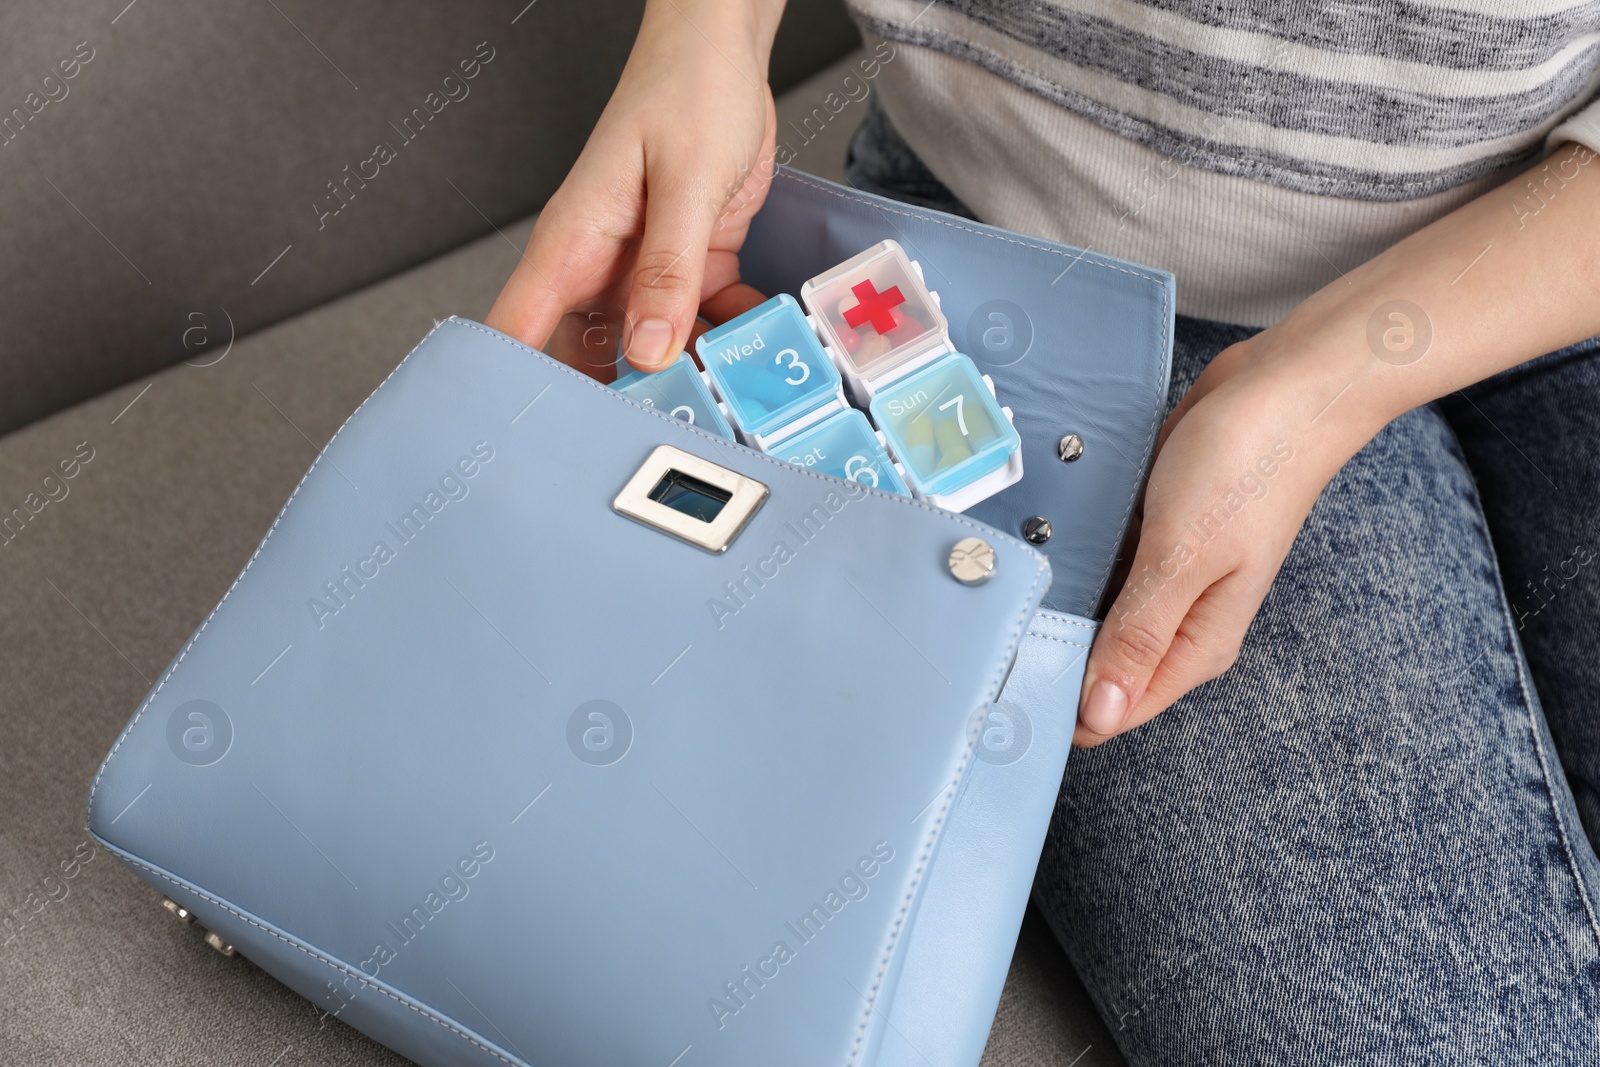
x=1372, y=841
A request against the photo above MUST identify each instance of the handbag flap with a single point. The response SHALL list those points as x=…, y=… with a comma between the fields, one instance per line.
x=1077, y=342
x=574, y=790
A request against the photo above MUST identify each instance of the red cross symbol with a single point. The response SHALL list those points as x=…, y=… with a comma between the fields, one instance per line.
x=874, y=306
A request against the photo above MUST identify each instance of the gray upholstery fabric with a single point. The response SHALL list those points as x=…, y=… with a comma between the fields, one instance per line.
x=143, y=199
x=101, y=587
x=1045, y=1015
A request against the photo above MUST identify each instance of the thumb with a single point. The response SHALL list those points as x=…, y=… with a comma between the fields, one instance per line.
x=1135, y=638
x=671, y=266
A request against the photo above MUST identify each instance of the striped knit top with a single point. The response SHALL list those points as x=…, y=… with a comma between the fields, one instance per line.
x=1256, y=148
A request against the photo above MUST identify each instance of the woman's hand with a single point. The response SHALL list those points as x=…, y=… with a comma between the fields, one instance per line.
x=1235, y=475
x=652, y=215
x=1501, y=280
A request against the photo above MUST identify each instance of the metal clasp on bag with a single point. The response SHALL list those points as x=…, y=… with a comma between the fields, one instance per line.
x=690, y=498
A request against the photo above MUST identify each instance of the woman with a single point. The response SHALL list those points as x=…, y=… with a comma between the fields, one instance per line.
x=1362, y=828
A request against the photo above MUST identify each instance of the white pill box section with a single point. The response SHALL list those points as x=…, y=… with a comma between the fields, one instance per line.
x=876, y=317
x=954, y=441
x=845, y=446
x=679, y=391
x=768, y=368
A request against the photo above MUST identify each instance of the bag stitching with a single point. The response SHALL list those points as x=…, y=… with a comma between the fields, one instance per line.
x=1068, y=620
x=1057, y=640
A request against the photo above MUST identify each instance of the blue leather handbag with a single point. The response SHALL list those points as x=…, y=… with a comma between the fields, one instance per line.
x=469, y=755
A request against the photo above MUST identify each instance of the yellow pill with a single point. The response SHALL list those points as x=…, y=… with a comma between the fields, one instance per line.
x=979, y=426
x=917, y=436
x=953, y=446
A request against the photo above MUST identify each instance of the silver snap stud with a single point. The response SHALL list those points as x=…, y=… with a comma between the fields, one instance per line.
x=1036, y=531
x=972, y=561
x=1069, y=447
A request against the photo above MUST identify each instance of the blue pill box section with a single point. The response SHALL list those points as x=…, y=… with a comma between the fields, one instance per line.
x=771, y=371
x=951, y=436
x=679, y=391
x=845, y=446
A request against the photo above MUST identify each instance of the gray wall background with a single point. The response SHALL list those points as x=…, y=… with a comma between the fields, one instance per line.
x=161, y=201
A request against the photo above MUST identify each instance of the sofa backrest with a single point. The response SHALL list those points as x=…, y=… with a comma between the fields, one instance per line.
x=176, y=172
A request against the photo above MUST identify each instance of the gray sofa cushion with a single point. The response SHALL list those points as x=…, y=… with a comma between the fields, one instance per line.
x=195, y=145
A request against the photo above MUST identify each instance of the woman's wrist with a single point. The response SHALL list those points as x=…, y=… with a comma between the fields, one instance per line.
x=1473, y=293
x=740, y=31
x=1318, y=384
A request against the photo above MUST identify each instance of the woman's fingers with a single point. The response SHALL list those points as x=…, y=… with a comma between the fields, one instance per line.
x=1133, y=641
x=650, y=220
x=730, y=302
x=1177, y=622
x=665, y=295
x=545, y=284
x=567, y=269
x=1218, y=519
x=1205, y=644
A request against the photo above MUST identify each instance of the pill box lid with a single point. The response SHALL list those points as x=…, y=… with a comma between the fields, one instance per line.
x=820, y=378
x=990, y=456
x=674, y=387
x=892, y=317
x=850, y=429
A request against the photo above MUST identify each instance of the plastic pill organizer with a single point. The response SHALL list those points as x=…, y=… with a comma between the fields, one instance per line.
x=870, y=343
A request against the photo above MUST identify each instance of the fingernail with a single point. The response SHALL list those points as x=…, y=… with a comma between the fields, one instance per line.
x=647, y=348
x=1106, y=706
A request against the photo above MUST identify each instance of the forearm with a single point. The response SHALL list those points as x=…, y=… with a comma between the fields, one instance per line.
x=1503, y=279
x=740, y=31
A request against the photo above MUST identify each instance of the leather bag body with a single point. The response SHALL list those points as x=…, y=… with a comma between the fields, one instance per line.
x=476, y=763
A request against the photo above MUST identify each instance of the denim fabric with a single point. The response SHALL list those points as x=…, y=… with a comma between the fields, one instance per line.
x=1361, y=845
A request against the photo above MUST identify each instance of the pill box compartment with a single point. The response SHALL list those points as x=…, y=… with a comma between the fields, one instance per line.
x=876, y=317
x=769, y=369
x=845, y=446
x=775, y=380
x=679, y=391
x=953, y=440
